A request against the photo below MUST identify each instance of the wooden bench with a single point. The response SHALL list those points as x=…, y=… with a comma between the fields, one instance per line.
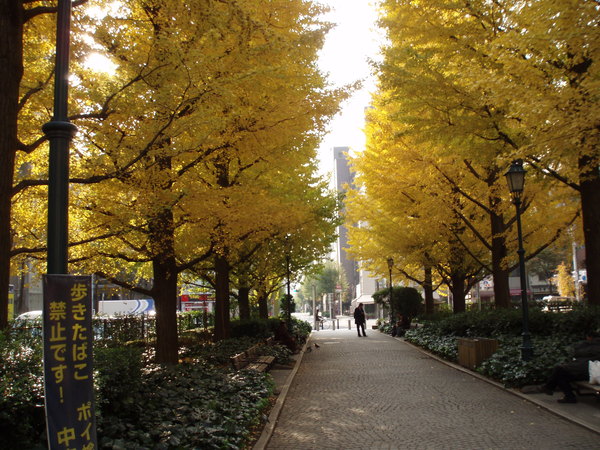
x=583, y=387
x=252, y=359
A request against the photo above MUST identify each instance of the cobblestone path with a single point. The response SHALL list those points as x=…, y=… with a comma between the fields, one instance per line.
x=381, y=393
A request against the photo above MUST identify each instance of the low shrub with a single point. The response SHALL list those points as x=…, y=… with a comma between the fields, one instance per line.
x=195, y=319
x=428, y=338
x=218, y=353
x=507, y=367
x=258, y=328
x=501, y=322
x=301, y=330
x=552, y=334
x=188, y=406
x=117, y=377
x=139, y=405
x=22, y=421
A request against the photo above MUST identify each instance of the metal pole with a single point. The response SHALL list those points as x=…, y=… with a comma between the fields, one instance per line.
x=576, y=271
x=289, y=301
x=391, y=303
x=315, y=325
x=527, y=347
x=59, y=132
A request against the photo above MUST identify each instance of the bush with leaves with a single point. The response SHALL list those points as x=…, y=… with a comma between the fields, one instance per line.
x=407, y=301
x=195, y=319
x=430, y=339
x=257, y=328
x=507, y=366
x=552, y=333
x=117, y=377
x=189, y=406
x=301, y=330
x=22, y=421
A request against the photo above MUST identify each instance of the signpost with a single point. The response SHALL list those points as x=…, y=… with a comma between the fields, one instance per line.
x=68, y=362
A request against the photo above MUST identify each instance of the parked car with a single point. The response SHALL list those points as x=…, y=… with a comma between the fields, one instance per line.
x=29, y=315
x=29, y=323
x=556, y=303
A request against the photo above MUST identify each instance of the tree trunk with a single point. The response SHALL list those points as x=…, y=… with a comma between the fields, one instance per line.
x=244, y=302
x=428, y=289
x=221, y=298
x=458, y=292
x=11, y=72
x=263, y=303
x=590, y=209
x=164, y=290
x=500, y=272
x=165, y=298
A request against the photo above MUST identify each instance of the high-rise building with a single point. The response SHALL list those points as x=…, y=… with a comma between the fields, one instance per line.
x=343, y=177
x=360, y=282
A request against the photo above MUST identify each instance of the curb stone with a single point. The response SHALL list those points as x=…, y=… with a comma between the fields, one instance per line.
x=267, y=432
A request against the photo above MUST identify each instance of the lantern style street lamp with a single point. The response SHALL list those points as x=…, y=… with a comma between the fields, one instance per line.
x=515, y=177
x=390, y=263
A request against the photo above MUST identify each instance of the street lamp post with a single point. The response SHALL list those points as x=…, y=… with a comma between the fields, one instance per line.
x=515, y=178
x=314, y=293
x=59, y=132
x=288, y=297
x=390, y=263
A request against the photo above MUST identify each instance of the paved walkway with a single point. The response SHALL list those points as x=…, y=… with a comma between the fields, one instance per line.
x=380, y=392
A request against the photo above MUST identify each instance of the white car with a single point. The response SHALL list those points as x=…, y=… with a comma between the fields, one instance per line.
x=29, y=315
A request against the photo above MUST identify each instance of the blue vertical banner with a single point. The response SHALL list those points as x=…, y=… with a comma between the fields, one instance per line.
x=68, y=362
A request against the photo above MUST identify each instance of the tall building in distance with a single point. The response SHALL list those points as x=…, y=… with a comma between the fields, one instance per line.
x=361, y=283
x=342, y=177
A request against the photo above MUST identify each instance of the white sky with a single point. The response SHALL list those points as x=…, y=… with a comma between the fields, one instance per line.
x=345, y=57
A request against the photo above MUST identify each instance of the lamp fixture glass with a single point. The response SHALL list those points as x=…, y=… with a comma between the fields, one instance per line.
x=515, y=178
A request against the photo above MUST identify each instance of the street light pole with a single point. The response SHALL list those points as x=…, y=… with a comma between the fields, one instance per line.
x=59, y=132
x=390, y=263
x=314, y=293
x=288, y=298
x=515, y=178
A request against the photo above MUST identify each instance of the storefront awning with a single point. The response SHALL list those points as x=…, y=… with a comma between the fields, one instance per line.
x=365, y=299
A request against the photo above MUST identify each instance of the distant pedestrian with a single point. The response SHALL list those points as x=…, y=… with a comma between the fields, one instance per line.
x=360, y=319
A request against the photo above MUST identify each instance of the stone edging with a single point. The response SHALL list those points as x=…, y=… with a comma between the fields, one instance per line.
x=274, y=414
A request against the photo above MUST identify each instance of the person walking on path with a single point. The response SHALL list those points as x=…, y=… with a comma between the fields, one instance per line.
x=360, y=319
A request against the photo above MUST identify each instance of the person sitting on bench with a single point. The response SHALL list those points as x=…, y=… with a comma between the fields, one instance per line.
x=576, y=370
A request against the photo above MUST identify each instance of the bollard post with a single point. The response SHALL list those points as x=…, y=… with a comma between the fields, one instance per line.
x=349, y=324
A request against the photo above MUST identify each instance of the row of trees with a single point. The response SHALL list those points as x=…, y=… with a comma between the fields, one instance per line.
x=195, y=156
x=465, y=88
x=329, y=279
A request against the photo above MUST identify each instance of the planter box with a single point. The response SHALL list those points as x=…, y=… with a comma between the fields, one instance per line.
x=472, y=352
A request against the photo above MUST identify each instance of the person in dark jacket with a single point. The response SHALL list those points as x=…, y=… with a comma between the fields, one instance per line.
x=575, y=370
x=283, y=336
x=360, y=319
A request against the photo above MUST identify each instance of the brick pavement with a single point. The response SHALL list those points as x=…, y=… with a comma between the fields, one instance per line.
x=381, y=393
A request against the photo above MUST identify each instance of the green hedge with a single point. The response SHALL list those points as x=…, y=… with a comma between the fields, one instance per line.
x=200, y=404
x=552, y=334
x=510, y=322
